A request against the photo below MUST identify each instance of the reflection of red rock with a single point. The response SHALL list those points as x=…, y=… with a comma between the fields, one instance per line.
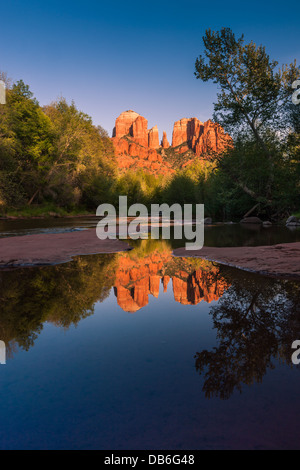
x=166, y=280
x=201, y=285
x=137, y=278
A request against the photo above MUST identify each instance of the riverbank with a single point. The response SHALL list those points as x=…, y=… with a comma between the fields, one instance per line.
x=45, y=211
x=45, y=249
x=281, y=260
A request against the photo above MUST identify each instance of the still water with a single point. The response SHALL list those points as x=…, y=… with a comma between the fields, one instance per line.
x=143, y=350
x=215, y=235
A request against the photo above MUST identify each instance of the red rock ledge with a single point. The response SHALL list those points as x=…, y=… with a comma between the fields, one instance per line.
x=43, y=249
x=277, y=260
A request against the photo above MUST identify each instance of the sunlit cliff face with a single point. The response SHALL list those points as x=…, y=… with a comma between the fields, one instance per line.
x=136, y=146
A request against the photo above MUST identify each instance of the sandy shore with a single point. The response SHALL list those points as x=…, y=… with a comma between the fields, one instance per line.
x=43, y=249
x=277, y=260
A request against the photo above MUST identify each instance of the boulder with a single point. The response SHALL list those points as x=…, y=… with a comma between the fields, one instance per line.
x=208, y=221
x=251, y=220
x=293, y=224
x=292, y=220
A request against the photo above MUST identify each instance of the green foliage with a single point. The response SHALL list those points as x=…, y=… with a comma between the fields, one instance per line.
x=55, y=157
x=44, y=210
x=51, y=155
x=253, y=89
x=62, y=294
x=254, y=105
x=139, y=187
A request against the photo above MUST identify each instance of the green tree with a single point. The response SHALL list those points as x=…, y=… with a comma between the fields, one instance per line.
x=83, y=156
x=53, y=155
x=26, y=140
x=253, y=101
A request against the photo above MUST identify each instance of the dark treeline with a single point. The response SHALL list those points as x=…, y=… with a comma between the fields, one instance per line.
x=53, y=157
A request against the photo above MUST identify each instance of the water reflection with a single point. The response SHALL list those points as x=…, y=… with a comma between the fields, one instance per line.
x=256, y=318
x=216, y=235
x=141, y=272
x=64, y=294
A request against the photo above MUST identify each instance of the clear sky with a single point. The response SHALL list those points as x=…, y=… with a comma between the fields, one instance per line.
x=111, y=56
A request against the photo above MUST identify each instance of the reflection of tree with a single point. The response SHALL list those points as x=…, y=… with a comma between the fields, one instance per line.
x=62, y=294
x=67, y=293
x=257, y=319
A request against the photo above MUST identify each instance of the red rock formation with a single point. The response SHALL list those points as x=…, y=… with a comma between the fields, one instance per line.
x=201, y=138
x=185, y=130
x=212, y=139
x=124, y=123
x=137, y=278
x=132, y=139
x=136, y=147
x=140, y=131
x=165, y=143
x=153, y=138
x=133, y=125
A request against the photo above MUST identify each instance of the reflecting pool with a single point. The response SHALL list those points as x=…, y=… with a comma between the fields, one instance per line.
x=143, y=350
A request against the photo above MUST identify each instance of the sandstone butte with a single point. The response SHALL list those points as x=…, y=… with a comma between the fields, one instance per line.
x=137, y=147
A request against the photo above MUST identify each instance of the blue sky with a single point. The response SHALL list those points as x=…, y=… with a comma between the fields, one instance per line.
x=113, y=56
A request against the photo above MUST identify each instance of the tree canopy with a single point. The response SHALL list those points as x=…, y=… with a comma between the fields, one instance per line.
x=254, y=105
